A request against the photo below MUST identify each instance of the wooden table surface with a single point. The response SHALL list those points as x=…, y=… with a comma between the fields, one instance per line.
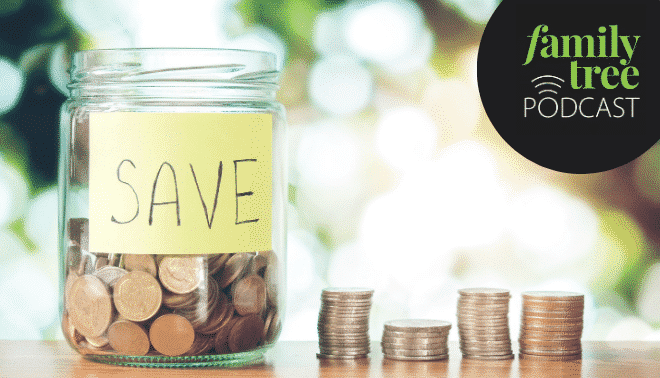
x=298, y=359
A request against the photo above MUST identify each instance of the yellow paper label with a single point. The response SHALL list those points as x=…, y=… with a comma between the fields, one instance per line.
x=180, y=183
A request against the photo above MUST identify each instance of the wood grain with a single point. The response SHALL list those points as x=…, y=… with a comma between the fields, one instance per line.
x=298, y=359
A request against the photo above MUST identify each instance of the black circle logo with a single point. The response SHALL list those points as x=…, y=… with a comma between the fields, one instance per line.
x=573, y=86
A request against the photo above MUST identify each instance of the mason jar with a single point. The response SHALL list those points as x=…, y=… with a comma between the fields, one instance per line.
x=172, y=224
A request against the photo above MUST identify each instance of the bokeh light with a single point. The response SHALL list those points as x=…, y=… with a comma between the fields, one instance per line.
x=405, y=137
x=13, y=193
x=27, y=298
x=13, y=81
x=552, y=228
x=41, y=220
x=330, y=79
x=454, y=106
x=328, y=155
x=649, y=300
x=383, y=31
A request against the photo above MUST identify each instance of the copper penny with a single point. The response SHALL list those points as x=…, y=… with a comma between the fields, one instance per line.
x=70, y=333
x=181, y=275
x=145, y=263
x=258, y=265
x=233, y=268
x=274, y=326
x=138, y=296
x=216, y=262
x=199, y=313
x=246, y=333
x=249, y=295
x=100, y=262
x=98, y=342
x=70, y=279
x=524, y=356
x=128, y=338
x=171, y=334
x=90, y=307
x=177, y=301
x=219, y=317
x=222, y=337
x=201, y=345
x=491, y=357
x=271, y=276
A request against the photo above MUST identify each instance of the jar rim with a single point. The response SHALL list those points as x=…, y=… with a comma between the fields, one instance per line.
x=166, y=65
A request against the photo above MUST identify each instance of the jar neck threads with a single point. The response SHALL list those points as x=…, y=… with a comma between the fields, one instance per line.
x=175, y=73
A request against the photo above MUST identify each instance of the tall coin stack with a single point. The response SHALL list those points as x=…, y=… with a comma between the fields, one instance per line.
x=483, y=323
x=551, y=325
x=415, y=339
x=344, y=323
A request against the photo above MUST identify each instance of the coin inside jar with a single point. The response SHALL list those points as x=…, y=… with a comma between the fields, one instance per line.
x=128, y=338
x=258, y=264
x=90, y=308
x=110, y=275
x=250, y=295
x=219, y=317
x=145, y=263
x=233, y=268
x=221, y=340
x=77, y=227
x=171, y=335
x=246, y=333
x=202, y=344
x=70, y=333
x=137, y=296
x=97, y=342
x=181, y=275
x=68, y=284
x=216, y=262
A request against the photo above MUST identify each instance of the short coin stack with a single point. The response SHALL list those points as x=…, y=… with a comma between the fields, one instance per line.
x=415, y=339
x=483, y=323
x=344, y=323
x=551, y=325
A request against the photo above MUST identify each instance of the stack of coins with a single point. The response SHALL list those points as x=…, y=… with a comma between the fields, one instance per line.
x=415, y=339
x=141, y=304
x=551, y=325
x=343, y=324
x=483, y=323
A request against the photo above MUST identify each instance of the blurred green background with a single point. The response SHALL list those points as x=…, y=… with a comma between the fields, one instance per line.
x=397, y=179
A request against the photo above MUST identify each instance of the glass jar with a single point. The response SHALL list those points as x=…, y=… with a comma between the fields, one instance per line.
x=172, y=225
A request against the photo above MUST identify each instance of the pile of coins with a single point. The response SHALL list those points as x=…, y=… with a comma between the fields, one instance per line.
x=415, y=339
x=343, y=323
x=140, y=304
x=483, y=323
x=551, y=325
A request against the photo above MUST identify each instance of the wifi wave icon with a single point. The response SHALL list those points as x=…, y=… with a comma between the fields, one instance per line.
x=543, y=85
